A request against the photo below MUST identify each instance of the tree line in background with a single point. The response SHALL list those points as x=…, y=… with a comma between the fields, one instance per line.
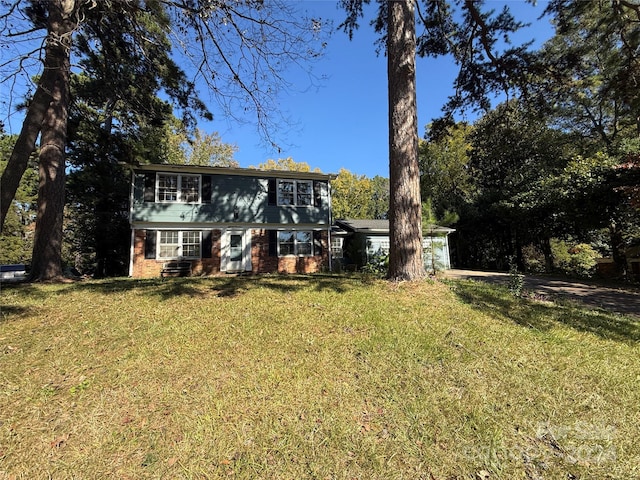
x=552, y=169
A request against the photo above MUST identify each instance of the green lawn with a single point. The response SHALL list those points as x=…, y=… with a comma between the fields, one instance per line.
x=312, y=377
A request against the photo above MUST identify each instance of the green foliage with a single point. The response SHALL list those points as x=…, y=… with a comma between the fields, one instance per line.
x=285, y=164
x=379, y=203
x=574, y=259
x=118, y=117
x=206, y=149
x=590, y=68
x=377, y=264
x=350, y=195
x=359, y=197
x=444, y=168
x=516, y=279
x=16, y=238
x=429, y=217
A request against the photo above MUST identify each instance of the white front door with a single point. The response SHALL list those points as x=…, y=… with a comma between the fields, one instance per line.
x=236, y=256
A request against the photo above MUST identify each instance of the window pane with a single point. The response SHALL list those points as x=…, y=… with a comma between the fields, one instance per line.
x=303, y=243
x=191, y=251
x=169, y=237
x=167, y=188
x=191, y=244
x=285, y=192
x=235, y=248
x=190, y=189
x=169, y=245
x=336, y=247
x=285, y=243
x=304, y=193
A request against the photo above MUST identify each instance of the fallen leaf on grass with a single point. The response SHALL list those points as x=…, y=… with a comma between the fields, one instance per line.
x=126, y=419
x=60, y=441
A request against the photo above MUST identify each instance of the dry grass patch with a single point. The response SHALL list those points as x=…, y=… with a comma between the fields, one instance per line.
x=312, y=377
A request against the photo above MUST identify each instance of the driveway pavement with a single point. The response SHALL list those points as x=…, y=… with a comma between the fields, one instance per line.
x=621, y=300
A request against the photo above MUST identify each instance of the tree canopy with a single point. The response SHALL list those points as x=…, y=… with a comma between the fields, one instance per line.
x=124, y=47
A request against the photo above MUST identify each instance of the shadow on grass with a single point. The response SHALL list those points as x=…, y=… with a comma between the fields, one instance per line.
x=497, y=301
x=221, y=286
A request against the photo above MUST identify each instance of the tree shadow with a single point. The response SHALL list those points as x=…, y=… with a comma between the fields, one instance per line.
x=17, y=311
x=230, y=286
x=497, y=301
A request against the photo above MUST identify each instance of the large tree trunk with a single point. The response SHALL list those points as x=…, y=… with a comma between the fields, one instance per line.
x=24, y=147
x=405, y=212
x=46, y=263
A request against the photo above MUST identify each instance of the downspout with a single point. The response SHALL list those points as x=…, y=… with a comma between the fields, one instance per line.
x=330, y=253
x=131, y=252
x=133, y=237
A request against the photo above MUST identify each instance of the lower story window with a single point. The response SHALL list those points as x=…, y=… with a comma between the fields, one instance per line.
x=179, y=244
x=295, y=243
x=336, y=247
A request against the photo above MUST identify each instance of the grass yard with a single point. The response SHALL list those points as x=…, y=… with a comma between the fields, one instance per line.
x=312, y=378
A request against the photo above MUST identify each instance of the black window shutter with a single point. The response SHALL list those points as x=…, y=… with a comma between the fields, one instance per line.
x=317, y=193
x=150, y=244
x=273, y=192
x=206, y=189
x=317, y=242
x=150, y=187
x=273, y=243
x=207, y=244
x=138, y=188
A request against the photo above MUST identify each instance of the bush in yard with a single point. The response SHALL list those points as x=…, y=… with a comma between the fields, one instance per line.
x=377, y=264
x=533, y=259
x=577, y=260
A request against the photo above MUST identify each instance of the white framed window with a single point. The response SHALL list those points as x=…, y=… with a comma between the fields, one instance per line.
x=178, y=188
x=336, y=247
x=298, y=243
x=304, y=193
x=295, y=192
x=167, y=188
x=286, y=192
x=174, y=244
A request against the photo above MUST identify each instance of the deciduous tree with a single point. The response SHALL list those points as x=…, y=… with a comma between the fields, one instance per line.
x=286, y=164
x=351, y=195
x=240, y=49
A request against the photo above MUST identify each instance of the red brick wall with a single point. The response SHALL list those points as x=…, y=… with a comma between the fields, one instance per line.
x=261, y=262
x=147, y=268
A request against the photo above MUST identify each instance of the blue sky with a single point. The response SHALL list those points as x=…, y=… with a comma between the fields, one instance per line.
x=343, y=123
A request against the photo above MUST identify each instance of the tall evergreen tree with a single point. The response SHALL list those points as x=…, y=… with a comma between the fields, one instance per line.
x=470, y=35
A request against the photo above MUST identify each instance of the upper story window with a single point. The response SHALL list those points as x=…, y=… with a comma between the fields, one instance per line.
x=178, y=188
x=295, y=192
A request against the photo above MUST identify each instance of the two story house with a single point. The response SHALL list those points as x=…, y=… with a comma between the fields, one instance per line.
x=218, y=219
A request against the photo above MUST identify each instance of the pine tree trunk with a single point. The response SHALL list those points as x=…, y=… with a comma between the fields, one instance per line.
x=405, y=212
x=23, y=148
x=46, y=263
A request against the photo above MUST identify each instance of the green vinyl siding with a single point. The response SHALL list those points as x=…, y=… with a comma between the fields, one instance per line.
x=235, y=199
